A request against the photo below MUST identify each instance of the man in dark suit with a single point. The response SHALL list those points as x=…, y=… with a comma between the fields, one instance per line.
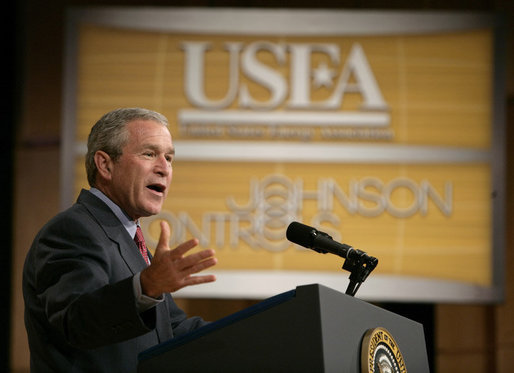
x=92, y=302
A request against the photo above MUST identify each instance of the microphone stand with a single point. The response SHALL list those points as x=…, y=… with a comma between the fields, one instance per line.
x=360, y=265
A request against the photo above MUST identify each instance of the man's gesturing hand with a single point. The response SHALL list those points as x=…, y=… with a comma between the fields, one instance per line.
x=171, y=270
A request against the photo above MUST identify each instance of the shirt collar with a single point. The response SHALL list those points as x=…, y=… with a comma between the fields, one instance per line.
x=129, y=224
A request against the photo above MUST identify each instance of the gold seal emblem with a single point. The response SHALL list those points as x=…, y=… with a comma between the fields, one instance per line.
x=380, y=353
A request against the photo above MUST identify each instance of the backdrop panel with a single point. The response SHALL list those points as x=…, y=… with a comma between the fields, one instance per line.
x=382, y=129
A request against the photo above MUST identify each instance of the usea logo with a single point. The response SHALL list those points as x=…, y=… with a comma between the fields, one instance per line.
x=380, y=353
x=291, y=76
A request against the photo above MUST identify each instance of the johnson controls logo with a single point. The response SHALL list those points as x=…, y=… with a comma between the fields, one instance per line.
x=274, y=201
x=292, y=106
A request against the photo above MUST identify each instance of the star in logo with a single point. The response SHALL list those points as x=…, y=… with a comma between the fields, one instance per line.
x=323, y=76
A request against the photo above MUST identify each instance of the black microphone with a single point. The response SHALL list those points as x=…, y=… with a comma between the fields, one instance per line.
x=357, y=262
x=321, y=242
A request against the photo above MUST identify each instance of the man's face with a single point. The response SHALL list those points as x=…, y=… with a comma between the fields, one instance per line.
x=142, y=175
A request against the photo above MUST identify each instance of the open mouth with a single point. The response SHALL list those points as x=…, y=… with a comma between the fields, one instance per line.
x=159, y=188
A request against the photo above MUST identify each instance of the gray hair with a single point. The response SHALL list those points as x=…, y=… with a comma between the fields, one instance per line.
x=110, y=135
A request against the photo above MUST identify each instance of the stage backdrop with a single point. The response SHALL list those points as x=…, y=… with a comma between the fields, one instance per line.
x=381, y=129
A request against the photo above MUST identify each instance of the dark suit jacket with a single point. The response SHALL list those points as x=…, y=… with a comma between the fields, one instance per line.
x=80, y=309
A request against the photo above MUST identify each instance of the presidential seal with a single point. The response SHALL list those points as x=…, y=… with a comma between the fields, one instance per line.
x=380, y=353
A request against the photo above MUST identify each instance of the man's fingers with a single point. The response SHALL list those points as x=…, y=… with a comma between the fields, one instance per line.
x=172, y=270
x=193, y=259
x=199, y=266
x=164, y=237
x=196, y=280
x=183, y=248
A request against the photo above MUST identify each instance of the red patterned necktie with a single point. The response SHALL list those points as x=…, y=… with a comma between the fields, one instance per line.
x=140, y=241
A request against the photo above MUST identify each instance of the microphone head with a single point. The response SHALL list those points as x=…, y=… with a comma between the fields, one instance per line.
x=301, y=234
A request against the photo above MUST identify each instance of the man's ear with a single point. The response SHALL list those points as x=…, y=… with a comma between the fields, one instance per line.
x=103, y=164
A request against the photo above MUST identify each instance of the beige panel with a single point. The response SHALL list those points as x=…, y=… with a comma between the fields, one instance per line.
x=438, y=89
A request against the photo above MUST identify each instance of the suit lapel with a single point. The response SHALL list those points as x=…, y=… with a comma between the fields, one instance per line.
x=114, y=230
x=129, y=252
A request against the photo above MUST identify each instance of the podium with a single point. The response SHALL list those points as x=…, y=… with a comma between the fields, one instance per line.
x=309, y=329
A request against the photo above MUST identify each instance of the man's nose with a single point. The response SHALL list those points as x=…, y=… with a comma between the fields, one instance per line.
x=162, y=166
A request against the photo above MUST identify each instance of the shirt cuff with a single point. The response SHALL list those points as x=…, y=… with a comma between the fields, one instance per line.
x=143, y=302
